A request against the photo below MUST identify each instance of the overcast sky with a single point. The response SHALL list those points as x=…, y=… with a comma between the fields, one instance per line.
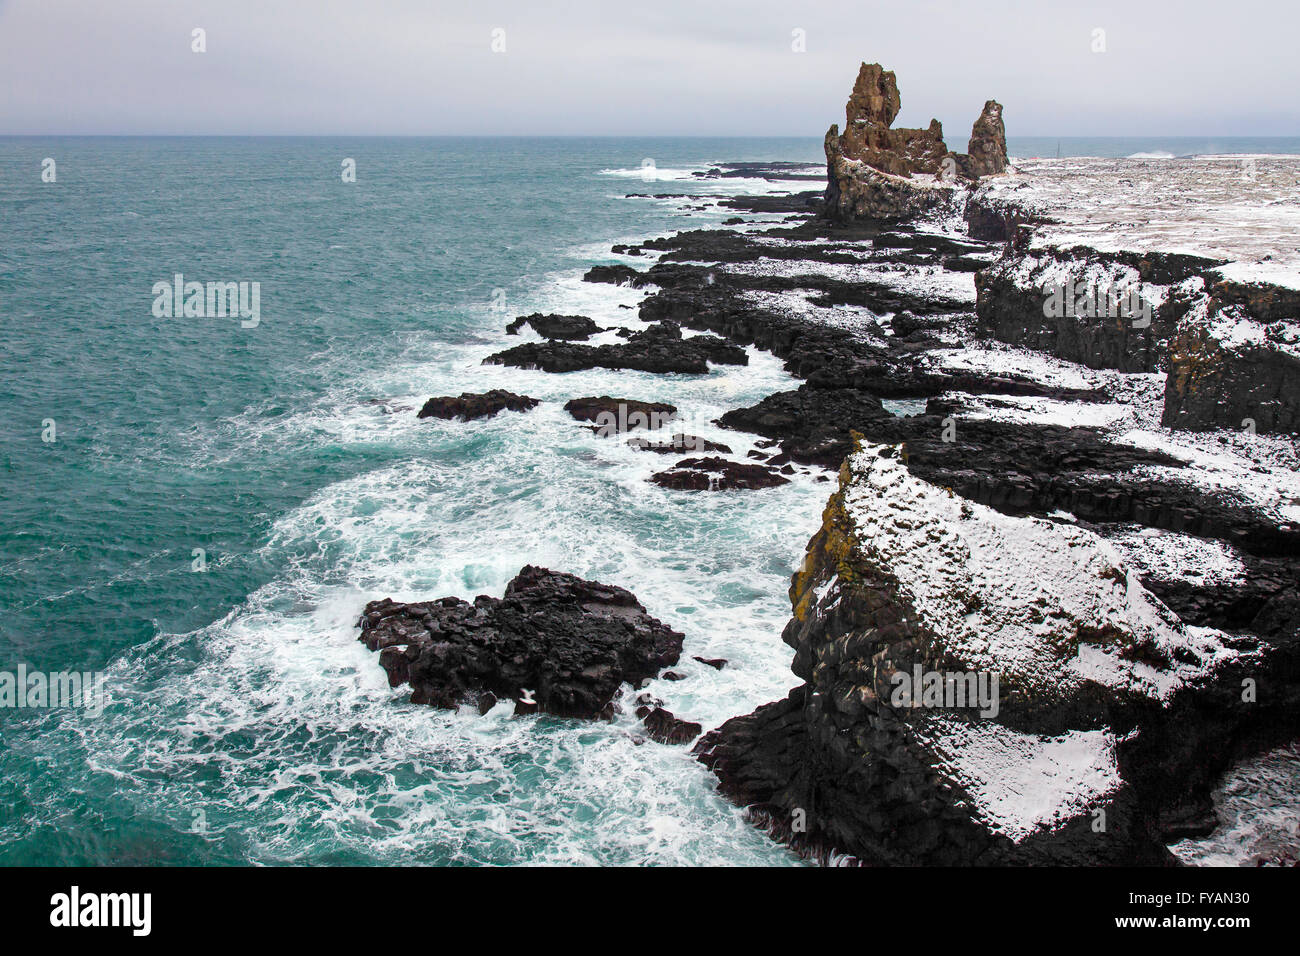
x=643, y=67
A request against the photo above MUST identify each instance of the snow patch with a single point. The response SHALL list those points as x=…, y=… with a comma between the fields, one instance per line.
x=1047, y=605
x=1025, y=783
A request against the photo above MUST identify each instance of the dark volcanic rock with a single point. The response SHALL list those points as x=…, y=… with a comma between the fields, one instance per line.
x=1266, y=603
x=679, y=444
x=554, y=640
x=717, y=474
x=805, y=202
x=1014, y=311
x=1015, y=468
x=660, y=348
x=616, y=416
x=771, y=171
x=814, y=425
x=899, y=782
x=471, y=405
x=1214, y=382
x=569, y=327
x=615, y=275
x=988, y=143
x=663, y=726
x=1229, y=362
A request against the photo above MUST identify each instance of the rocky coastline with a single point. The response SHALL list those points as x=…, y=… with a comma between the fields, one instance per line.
x=1096, y=504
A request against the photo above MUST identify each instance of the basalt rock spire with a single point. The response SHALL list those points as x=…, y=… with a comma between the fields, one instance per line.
x=988, y=143
x=878, y=172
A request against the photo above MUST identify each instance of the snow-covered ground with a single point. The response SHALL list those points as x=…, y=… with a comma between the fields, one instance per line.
x=980, y=580
x=1259, y=470
x=926, y=280
x=1240, y=210
x=1024, y=783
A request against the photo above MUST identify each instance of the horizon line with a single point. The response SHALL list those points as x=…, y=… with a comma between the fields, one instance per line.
x=807, y=136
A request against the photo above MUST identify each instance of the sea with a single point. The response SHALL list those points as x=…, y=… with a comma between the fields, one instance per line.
x=195, y=509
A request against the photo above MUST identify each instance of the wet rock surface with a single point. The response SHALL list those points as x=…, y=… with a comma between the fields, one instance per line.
x=659, y=348
x=613, y=416
x=679, y=444
x=664, y=726
x=470, y=405
x=566, y=327
x=556, y=643
x=717, y=474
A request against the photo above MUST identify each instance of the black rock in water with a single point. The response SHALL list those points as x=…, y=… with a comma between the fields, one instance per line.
x=614, y=416
x=717, y=474
x=568, y=327
x=476, y=405
x=660, y=348
x=555, y=643
x=679, y=444
x=665, y=727
x=615, y=275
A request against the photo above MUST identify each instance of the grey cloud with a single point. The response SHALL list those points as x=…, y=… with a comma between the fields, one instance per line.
x=641, y=68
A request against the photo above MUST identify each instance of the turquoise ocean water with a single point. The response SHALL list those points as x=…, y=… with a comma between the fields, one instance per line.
x=244, y=723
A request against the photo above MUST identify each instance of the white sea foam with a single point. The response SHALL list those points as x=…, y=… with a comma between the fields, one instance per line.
x=652, y=173
x=278, y=708
x=1258, y=807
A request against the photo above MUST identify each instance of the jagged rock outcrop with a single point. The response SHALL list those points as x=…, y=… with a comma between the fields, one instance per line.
x=717, y=474
x=666, y=727
x=659, y=348
x=1098, y=743
x=1229, y=369
x=1094, y=310
x=987, y=149
x=566, y=327
x=615, y=275
x=679, y=444
x=870, y=112
x=471, y=405
x=554, y=643
x=877, y=172
x=860, y=191
x=615, y=416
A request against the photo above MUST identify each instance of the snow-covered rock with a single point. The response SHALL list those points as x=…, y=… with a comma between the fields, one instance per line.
x=1210, y=242
x=980, y=687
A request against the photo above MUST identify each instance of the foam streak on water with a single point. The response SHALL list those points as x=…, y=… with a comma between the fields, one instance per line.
x=264, y=731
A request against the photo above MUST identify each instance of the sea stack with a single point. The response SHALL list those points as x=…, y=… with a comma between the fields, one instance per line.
x=988, y=143
x=878, y=172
